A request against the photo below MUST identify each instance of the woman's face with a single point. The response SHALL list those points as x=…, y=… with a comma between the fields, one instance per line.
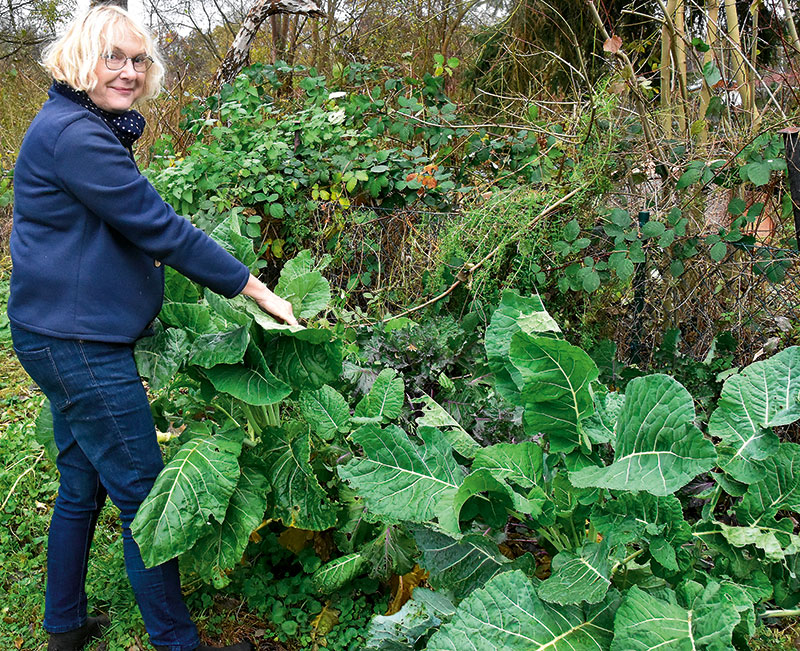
x=117, y=90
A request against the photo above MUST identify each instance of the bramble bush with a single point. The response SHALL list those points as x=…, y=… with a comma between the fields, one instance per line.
x=365, y=137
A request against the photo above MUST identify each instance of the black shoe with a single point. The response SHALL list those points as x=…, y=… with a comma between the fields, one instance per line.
x=76, y=639
x=242, y=646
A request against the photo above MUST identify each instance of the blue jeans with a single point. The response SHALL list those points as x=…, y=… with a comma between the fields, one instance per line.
x=106, y=446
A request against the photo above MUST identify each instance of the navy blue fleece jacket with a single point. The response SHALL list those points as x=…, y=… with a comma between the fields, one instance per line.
x=90, y=232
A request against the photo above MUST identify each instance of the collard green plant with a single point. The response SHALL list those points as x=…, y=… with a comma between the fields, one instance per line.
x=596, y=483
x=211, y=348
x=593, y=476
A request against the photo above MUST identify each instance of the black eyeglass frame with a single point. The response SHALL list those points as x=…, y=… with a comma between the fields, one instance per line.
x=147, y=60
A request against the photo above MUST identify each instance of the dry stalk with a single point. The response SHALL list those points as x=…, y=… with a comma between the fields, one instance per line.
x=468, y=270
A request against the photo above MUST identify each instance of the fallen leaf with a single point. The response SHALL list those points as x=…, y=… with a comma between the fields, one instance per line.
x=617, y=87
x=403, y=586
x=324, y=623
x=613, y=44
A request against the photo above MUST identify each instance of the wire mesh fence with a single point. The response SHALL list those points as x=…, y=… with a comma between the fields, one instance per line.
x=753, y=293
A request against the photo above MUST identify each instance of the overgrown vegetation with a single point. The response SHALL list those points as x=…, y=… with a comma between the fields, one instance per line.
x=435, y=442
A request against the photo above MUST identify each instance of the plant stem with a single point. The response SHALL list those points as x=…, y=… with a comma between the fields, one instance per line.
x=708, y=509
x=554, y=538
x=273, y=415
x=782, y=613
x=624, y=562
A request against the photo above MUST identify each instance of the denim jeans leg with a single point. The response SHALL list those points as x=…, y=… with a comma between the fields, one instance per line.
x=80, y=498
x=96, y=389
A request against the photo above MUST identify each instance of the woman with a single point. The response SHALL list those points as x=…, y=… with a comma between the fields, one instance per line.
x=89, y=238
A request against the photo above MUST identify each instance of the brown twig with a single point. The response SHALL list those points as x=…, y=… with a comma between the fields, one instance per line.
x=469, y=269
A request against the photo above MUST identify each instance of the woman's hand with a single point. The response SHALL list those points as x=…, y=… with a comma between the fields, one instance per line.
x=268, y=301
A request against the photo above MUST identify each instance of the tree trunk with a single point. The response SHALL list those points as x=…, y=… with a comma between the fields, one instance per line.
x=666, y=71
x=789, y=16
x=737, y=58
x=712, y=10
x=679, y=46
x=239, y=53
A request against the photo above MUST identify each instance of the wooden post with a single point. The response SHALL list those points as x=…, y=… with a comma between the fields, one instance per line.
x=791, y=141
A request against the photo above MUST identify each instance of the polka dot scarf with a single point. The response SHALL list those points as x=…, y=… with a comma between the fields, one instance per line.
x=127, y=126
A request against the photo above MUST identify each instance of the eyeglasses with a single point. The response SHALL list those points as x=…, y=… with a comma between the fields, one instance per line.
x=117, y=61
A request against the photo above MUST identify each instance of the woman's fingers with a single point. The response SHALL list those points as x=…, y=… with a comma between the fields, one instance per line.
x=279, y=308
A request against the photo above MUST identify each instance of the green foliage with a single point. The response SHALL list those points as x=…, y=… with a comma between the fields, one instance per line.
x=592, y=474
x=392, y=143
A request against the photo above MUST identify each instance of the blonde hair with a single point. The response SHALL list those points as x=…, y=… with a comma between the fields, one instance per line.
x=73, y=57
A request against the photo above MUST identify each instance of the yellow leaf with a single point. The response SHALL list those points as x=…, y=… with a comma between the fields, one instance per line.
x=296, y=540
x=324, y=623
x=402, y=587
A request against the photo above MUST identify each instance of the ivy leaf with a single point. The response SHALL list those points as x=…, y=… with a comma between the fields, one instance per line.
x=657, y=448
x=747, y=405
x=195, y=485
x=401, y=480
x=299, y=500
x=507, y=614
